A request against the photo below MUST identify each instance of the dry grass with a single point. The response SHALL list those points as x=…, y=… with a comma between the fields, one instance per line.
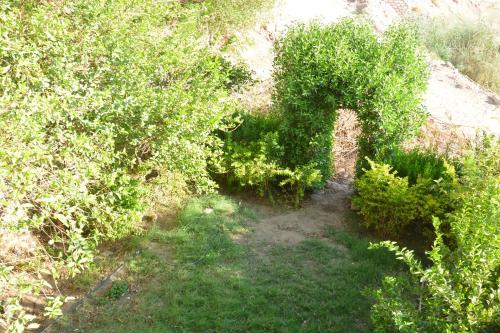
x=470, y=46
x=434, y=135
x=345, y=150
x=443, y=138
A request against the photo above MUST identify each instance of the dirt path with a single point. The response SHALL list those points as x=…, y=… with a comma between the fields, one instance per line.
x=329, y=207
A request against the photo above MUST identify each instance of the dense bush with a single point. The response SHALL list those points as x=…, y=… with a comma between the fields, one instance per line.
x=253, y=157
x=470, y=46
x=95, y=97
x=459, y=291
x=319, y=69
x=417, y=163
x=395, y=204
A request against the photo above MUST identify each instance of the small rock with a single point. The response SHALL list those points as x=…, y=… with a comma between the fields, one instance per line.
x=492, y=99
x=208, y=211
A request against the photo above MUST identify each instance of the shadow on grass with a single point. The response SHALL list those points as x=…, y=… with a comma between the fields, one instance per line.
x=211, y=282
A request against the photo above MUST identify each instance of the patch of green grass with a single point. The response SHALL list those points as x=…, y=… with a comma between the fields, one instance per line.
x=118, y=289
x=470, y=46
x=216, y=284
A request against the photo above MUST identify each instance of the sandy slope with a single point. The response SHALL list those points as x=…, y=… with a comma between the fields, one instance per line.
x=451, y=98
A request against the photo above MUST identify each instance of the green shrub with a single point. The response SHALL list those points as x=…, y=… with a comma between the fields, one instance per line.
x=94, y=95
x=416, y=164
x=118, y=289
x=459, y=290
x=472, y=47
x=317, y=70
x=253, y=158
x=321, y=68
x=393, y=206
x=385, y=200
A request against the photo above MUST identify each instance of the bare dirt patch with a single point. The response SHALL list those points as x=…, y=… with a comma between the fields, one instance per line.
x=328, y=207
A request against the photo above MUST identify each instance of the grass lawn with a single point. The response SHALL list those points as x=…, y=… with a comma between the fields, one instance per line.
x=202, y=277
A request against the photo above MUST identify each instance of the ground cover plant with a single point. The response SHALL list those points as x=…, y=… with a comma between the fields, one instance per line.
x=471, y=46
x=223, y=17
x=202, y=277
x=102, y=105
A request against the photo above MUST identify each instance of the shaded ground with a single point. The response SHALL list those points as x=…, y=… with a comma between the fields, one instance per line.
x=246, y=267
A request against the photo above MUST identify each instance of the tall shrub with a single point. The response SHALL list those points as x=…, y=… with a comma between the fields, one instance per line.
x=321, y=68
x=94, y=95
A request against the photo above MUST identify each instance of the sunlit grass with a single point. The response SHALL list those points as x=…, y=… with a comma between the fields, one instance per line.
x=214, y=284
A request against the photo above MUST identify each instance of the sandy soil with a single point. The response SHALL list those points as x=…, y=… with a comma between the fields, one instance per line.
x=327, y=207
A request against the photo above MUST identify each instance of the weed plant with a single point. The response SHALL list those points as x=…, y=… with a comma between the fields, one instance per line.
x=95, y=98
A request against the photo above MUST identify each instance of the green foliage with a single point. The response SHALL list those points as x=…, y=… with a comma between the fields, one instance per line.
x=317, y=70
x=207, y=278
x=221, y=17
x=470, y=46
x=253, y=157
x=385, y=200
x=93, y=96
x=392, y=205
x=417, y=163
x=321, y=68
x=118, y=289
x=459, y=291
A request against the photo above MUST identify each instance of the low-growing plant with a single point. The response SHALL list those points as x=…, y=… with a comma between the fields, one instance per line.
x=459, y=290
x=417, y=163
x=221, y=17
x=385, y=200
x=253, y=157
x=118, y=289
x=393, y=205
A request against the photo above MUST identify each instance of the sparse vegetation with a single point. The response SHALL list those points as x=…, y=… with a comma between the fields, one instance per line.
x=471, y=46
x=222, y=17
